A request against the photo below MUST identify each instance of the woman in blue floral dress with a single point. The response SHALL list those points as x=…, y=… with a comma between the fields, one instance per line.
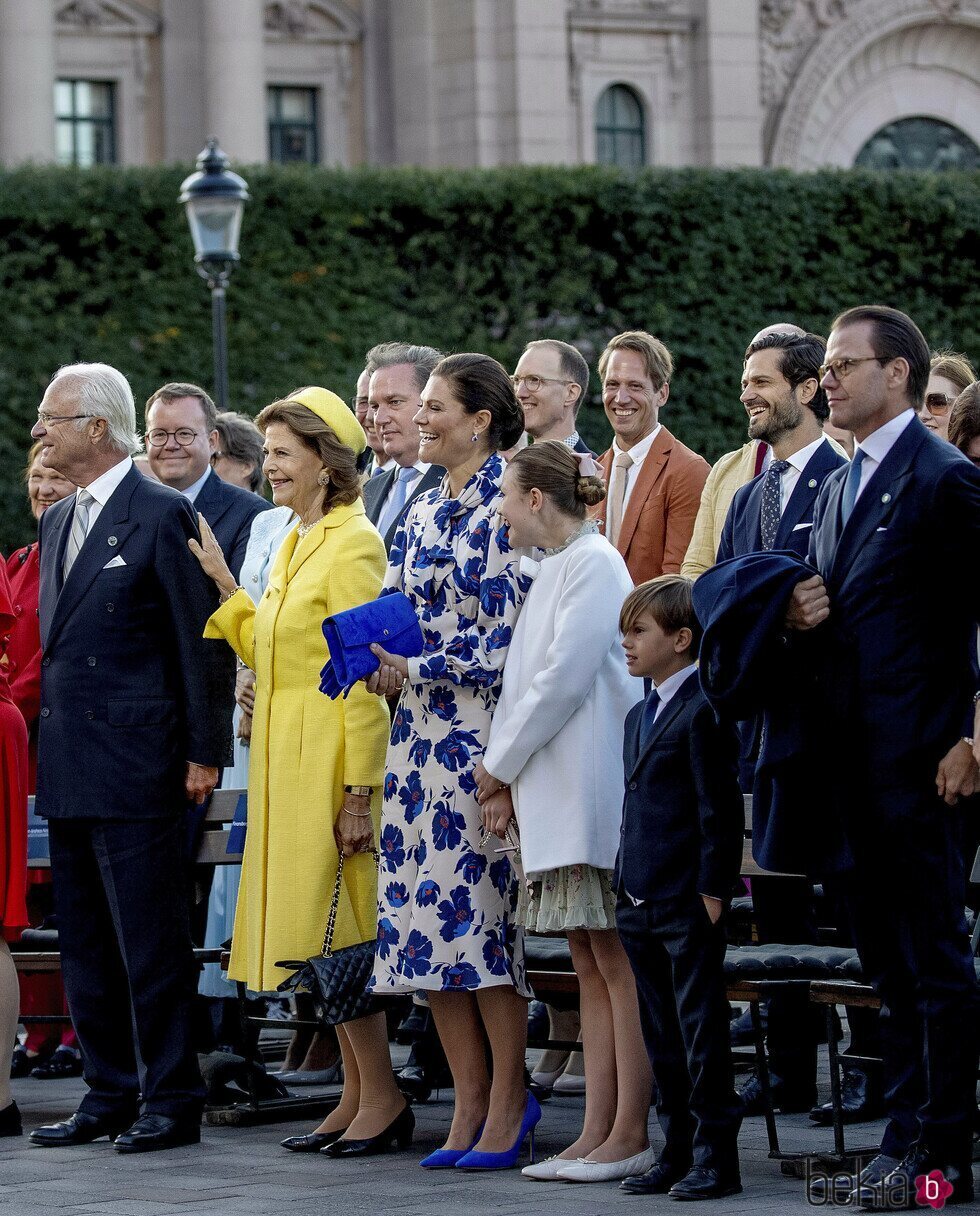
x=447, y=895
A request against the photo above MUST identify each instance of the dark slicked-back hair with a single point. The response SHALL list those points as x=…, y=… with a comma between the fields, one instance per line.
x=800, y=358
x=894, y=336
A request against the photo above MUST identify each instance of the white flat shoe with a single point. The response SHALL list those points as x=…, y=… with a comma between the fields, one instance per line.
x=608, y=1171
x=546, y=1171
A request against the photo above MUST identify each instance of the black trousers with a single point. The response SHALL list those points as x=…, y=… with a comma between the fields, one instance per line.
x=677, y=957
x=905, y=901
x=121, y=899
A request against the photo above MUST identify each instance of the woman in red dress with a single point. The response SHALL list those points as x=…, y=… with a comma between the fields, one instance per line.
x=13, y=860
x=42, y=993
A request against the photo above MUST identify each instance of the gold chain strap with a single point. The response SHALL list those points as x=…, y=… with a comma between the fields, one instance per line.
x=327, y=948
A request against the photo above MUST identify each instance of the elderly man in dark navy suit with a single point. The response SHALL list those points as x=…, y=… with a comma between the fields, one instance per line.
x=181, y=437
x=894, y=537
x=135, y=723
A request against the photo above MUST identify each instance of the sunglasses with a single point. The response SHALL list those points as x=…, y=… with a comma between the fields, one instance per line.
x=938, y=404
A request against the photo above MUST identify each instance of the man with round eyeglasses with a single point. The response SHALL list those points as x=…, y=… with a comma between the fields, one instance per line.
x=551, y=380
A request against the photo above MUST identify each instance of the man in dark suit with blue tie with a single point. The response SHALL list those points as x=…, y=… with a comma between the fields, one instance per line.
x=897, y=601
x=399, y=375
x=181, y=437
x=135, y=723
x=679, y=856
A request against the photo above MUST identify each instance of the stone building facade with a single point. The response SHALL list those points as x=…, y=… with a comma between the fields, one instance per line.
x=799, y=83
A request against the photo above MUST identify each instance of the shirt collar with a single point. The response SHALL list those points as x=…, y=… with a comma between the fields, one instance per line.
x=880, y=442
x=101, y=489
x=639, y=451
x=799, y=460
x=571, y=441
x=192, y=492
x=669, y=686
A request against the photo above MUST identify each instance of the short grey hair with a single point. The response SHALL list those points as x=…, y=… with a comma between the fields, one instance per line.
x=422, y=359
x=104, y=393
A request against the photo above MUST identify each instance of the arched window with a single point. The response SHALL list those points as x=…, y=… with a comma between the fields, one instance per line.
x=919, y=143
x=620, y=138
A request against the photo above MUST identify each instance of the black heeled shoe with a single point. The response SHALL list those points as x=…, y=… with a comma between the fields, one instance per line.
x=312, y=1143
x=398, y=1132
x=10, y=1124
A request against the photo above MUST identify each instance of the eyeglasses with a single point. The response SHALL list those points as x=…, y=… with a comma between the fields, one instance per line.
x=534, y=383
x=843, y=367
x=46, y=419
x=938, y=404
x=157, y=438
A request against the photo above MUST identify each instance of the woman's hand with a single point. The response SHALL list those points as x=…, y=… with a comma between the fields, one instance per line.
x=390, y=677
x=212, y=560
x=354, y=827
x=486, y=785
x=497, y=812
x=245, y=728
x=245, y=690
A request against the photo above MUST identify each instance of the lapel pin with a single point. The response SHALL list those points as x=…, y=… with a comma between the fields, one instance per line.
x=886, y=498
x=113, y=541
x=812, y=483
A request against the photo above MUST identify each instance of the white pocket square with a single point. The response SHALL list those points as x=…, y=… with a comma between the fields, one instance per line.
x=116, y=562
x=881, y=529
x=800, y=527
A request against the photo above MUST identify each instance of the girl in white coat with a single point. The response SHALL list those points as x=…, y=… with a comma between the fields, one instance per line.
x=555, y=761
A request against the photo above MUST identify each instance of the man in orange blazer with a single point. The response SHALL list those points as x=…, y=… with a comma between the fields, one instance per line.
x=654, y=482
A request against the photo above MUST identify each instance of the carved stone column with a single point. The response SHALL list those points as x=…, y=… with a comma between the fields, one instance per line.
x=235, y=75
x=27, y=73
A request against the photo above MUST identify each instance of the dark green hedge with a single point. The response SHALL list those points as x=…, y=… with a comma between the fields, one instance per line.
x=97, y=265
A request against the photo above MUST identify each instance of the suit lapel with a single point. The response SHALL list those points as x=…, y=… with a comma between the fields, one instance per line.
x=750, y=522
x=605, y=466
x=104, y=541
x=209, y=501
x=877, y=499
x=379, y=487
x=646, y=479
x=667, y=715
x=805, y=492
x=55, y=528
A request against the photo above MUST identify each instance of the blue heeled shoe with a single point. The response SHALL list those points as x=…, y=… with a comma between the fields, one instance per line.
x=506, y=1160
x=446, y=1158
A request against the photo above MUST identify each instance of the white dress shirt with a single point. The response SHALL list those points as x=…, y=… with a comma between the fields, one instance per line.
x=192, y=492
x=102, y=488
x=877, y=446
x=797, y=463
x=637, y=453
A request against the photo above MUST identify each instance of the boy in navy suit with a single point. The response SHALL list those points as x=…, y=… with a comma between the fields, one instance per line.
x=679, y=856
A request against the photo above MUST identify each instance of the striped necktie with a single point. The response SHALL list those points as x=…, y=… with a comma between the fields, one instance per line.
x=79, y=528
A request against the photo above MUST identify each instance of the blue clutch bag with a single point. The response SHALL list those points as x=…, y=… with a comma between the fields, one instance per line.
x=389, y=621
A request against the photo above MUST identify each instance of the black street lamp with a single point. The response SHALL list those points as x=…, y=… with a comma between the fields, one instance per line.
x=215, y=199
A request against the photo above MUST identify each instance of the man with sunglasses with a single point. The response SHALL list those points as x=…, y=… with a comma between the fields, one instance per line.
x=181, y=439
x=893, y=614
x=551, y=380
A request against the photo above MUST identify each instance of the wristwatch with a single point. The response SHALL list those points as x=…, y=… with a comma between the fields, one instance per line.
x=360, y=791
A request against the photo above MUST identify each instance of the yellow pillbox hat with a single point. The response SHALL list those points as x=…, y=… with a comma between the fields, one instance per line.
x=336, y=414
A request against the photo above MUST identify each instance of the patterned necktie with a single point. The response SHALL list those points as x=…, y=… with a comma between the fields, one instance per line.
x=771, y=495
x=650, y=706
x=851, y=485
x=79, y=529
x=396, y=499
x=614, y=513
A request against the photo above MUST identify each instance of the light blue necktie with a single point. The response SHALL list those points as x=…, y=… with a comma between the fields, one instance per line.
x=851, y=484
x=396, y=499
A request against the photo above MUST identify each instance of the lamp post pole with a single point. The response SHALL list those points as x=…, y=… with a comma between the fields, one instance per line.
x=214, y=199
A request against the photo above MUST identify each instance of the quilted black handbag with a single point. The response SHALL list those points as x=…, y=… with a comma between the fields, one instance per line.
x=337, y=981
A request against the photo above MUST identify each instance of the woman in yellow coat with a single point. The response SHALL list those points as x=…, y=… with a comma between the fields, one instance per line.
x=317, y=765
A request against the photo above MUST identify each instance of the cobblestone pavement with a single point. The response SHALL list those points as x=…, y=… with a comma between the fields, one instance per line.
x=243, y=1171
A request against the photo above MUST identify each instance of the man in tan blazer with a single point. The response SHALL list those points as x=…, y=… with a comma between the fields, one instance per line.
x=654, y=482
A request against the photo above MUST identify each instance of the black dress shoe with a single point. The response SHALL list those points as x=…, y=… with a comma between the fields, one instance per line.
x=79, y=1129
x=151, y=1133
x=860, y=1100
x=411, y=1080
x=898, y=1191
x=656, y=1181
x=836, y=1188
x=21, y=1063
x=311, y=1143
x=789, y=1100
x=10, y=1124
x=705, y=1182
x=398, y=1132
x=64, y=1062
